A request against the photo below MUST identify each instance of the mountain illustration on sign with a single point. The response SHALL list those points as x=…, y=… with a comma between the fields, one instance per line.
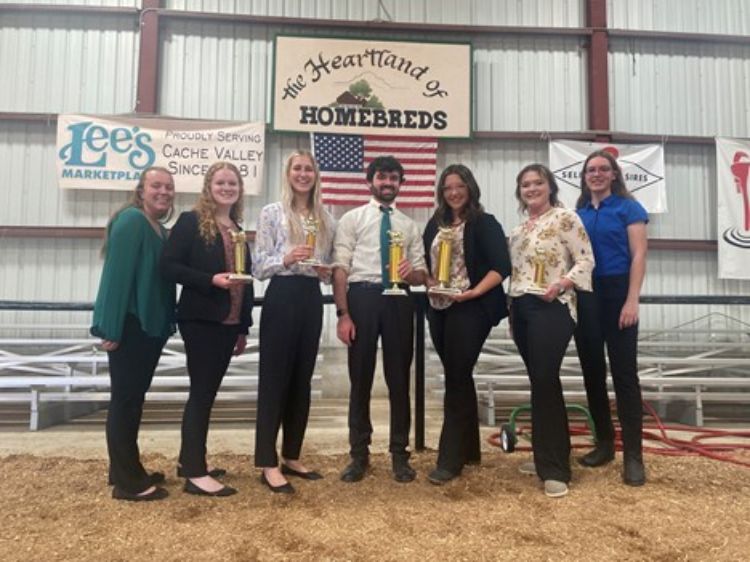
x=359, y=94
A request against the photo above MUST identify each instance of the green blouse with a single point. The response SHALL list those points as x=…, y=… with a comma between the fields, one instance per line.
x=131, y=283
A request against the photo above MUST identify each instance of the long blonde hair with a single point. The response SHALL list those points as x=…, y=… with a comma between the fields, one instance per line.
x=206, y=206
x=136, y=200
x=314, y=205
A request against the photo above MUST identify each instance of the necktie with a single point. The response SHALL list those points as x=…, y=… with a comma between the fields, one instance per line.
x=385, y=242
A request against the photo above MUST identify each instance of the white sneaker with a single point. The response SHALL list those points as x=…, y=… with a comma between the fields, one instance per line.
x=527, y=467
x=555, y=488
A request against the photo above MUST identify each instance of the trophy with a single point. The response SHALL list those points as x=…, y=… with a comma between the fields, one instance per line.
x=238, y=241
x=310, y=226
x=395, y=254
x=445, y=236
x=538, y=286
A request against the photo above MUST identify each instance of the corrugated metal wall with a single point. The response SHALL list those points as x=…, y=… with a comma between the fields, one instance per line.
x=82, y=63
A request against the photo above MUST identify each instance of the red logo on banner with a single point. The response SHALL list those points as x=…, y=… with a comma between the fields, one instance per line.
x=740, y=169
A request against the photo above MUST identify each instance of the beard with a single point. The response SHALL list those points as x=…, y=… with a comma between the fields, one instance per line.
x=385, y=194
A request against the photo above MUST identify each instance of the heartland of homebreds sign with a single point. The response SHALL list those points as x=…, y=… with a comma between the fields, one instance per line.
x=372, y=87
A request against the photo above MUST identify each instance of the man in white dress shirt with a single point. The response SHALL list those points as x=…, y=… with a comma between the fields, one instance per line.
x=365, y=313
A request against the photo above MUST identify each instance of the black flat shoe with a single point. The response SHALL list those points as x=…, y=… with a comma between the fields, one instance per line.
x=603, y=453
x=633, y=473
x=213, y=473
x=196, y=490
x=157, y=494
x=440, y=476
x=309, y=475
x=283, y=489
x=155, y=478
x=355, y=471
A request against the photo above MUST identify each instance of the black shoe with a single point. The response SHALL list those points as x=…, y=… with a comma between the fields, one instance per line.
x=309, y=475
x=213, y=473
x=402, y=472
x=355, y=471
x=157, y=494
x=196, y=490
x=440, y=476
x=633, y=472
x=283, y=489
x=154, y=478
x=603, y=453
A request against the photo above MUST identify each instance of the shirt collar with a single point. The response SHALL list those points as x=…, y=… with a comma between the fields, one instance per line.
x=377, y=204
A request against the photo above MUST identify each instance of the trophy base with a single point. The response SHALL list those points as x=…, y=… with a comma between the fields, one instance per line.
x=395, y=291
x=444, y=291
x=310, y=261
x=536, y=290
x=241, y=277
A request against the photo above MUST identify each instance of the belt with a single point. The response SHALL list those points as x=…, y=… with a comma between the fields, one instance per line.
x=374, y=286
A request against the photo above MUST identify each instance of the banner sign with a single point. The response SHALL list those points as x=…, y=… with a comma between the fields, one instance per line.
x=642, y=165
x=373, y=87
x=733, y=207
x=95, y=152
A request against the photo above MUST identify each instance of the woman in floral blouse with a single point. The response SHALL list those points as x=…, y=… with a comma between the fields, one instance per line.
x=551, y=255
x=291, y=318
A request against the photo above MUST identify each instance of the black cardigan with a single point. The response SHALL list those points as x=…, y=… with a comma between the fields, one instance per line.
x=485, y=250
x=191, y=262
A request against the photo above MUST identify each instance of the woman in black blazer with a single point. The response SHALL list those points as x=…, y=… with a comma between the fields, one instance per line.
x=214, y=311
x=460, y=323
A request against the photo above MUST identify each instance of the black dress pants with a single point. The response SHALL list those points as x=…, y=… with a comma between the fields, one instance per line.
x=392, y=319
x=542, y=332
x=208, y=347
x=458, y=334
x=598, y=318
x=290, y=325
x=131, y=368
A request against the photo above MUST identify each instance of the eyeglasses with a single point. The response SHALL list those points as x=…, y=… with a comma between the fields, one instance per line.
x=600, y=169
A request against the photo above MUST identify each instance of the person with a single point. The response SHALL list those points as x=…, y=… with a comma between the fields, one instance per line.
x=214, y=311
x=616, y=225
x=460, y=323
x=365, y=313
x=133, y=315
x=291, y=318
x=551, y=254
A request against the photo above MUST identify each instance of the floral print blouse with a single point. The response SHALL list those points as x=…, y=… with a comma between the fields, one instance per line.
x=559, y=239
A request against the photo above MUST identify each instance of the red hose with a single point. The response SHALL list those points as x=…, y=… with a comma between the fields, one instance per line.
x=657, y=432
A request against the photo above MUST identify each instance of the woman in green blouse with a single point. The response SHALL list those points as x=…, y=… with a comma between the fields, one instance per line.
x=133, y=315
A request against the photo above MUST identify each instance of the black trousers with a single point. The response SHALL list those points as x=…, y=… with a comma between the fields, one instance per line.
x=290, y=325
x=392, y=319
x=208, y=347
x=131, y=368
x=598, y=317
x=458, y=334
x=542, y=332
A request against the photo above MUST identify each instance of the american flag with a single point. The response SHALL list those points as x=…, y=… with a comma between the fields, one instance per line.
x=343, y=160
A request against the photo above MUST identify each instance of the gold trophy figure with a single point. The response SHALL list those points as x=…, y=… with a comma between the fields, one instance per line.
x=238, y=240
x=395, y=255
x=538, y=287
x=445, y=249
x=310, y=226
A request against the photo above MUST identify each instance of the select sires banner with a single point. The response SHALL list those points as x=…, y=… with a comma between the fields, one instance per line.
x=733, y=207
x=642, y=165
x=109, y=153
x=373, y=87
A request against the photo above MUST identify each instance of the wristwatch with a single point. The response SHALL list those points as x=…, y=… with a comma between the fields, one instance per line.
x=340, y=312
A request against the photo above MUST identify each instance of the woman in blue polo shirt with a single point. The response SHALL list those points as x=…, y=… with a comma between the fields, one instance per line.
x=616, y=225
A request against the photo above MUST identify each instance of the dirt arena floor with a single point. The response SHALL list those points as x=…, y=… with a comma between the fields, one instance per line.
x=56, y=506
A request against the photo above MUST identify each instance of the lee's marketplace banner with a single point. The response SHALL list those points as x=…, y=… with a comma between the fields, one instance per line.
x=642, y=165
x=372, y=87
x=109, y=153
x=733, y=207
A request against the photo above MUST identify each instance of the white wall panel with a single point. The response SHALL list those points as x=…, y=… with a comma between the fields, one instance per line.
x=541, y=13
x=676, y=88
x=68, y=63
x=729, y=17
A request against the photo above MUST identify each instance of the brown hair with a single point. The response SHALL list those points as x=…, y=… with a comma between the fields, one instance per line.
x=618, y=184
x=205, y=207
x=547, y=175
